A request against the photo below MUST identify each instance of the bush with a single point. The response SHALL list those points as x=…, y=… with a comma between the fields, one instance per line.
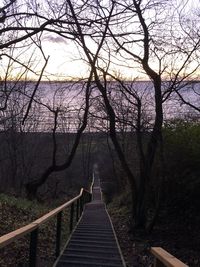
x=182, y=155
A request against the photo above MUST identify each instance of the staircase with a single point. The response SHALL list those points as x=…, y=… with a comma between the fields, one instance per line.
x=93, y=242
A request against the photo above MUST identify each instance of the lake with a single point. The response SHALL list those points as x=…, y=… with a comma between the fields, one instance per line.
x=68, y=98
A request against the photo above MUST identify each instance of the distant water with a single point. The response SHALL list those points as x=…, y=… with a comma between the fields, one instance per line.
x=69, y=97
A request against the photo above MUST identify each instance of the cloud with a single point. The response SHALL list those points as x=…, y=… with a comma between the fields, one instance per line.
x=53, y=39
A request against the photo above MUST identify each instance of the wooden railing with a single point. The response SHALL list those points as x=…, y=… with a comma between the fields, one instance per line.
x=32, y=228
x=163, y=258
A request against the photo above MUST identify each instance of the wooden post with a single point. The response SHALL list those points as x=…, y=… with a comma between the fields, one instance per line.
x=71, y=217
x=33, y=248
x=77, y=209
x=33, y=227
x=58, y=233
x=81, y=204
x=158, y=263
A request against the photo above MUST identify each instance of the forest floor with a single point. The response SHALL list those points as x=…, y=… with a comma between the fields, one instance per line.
x=176, y=231
x=17, y=212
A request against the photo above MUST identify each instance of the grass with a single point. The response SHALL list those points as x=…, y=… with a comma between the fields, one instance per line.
x=17, y=212
x=23, y=204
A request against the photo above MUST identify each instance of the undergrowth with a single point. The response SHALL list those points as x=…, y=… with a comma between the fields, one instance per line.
x=17, y=212
x=179, y=239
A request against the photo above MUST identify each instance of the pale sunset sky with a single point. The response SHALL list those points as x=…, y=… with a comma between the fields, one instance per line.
x=65, y=60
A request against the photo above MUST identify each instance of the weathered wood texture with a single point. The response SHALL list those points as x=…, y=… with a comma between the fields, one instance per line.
x=165, y=259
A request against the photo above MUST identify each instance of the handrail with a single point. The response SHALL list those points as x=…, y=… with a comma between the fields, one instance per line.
x=20, y=232
x=163, y=258
x=14, y=235
x=52, y=213
x=92, y=184
x=83, y=197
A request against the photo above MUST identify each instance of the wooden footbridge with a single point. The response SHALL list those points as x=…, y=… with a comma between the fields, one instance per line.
x=92, y=242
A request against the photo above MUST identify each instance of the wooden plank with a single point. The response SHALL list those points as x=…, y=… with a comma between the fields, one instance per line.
x=52, y=213
x=166, y=258
x=93, y=241
x=14, y=235
x=92, y=184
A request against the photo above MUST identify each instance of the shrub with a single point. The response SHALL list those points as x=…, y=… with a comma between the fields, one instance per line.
x=182, y=156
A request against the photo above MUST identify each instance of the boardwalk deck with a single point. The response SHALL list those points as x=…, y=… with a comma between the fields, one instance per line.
x=93, y=242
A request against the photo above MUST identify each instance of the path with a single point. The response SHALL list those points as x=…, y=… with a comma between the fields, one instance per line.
x=93, y=242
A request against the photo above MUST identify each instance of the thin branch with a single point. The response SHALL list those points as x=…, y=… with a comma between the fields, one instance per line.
x=34, y=91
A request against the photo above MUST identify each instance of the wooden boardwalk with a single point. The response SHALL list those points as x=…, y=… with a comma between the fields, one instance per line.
x=93, y=243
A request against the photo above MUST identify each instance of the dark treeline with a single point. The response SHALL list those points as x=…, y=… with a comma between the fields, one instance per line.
x=25, y=156
x=158, y=41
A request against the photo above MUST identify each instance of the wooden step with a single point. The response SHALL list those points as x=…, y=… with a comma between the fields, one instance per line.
x=93, y=242
x=75, y=263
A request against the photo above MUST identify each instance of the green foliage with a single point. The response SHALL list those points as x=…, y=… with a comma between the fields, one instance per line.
x=182, y=146
x=17, y=212
x=22, y=204
x=182, y=156
x=121, y=203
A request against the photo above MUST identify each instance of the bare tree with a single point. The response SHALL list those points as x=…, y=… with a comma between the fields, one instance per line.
x=146, y=48
x=33, y=186
x=22, y=26
x=147, y=36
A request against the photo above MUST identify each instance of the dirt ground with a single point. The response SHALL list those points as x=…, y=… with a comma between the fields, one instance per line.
x=178, y=233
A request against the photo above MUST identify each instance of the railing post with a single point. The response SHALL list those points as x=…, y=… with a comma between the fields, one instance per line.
x=33, y=248
x=81, y=205
x=77, y=209
x=158, y=263
x=90, y=197
x=71, y=217
x=58, y=233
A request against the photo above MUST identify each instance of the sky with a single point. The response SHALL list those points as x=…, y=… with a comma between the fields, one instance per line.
x=65, y=61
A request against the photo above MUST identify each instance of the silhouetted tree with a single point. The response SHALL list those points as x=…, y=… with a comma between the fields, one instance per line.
x=145, y=47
